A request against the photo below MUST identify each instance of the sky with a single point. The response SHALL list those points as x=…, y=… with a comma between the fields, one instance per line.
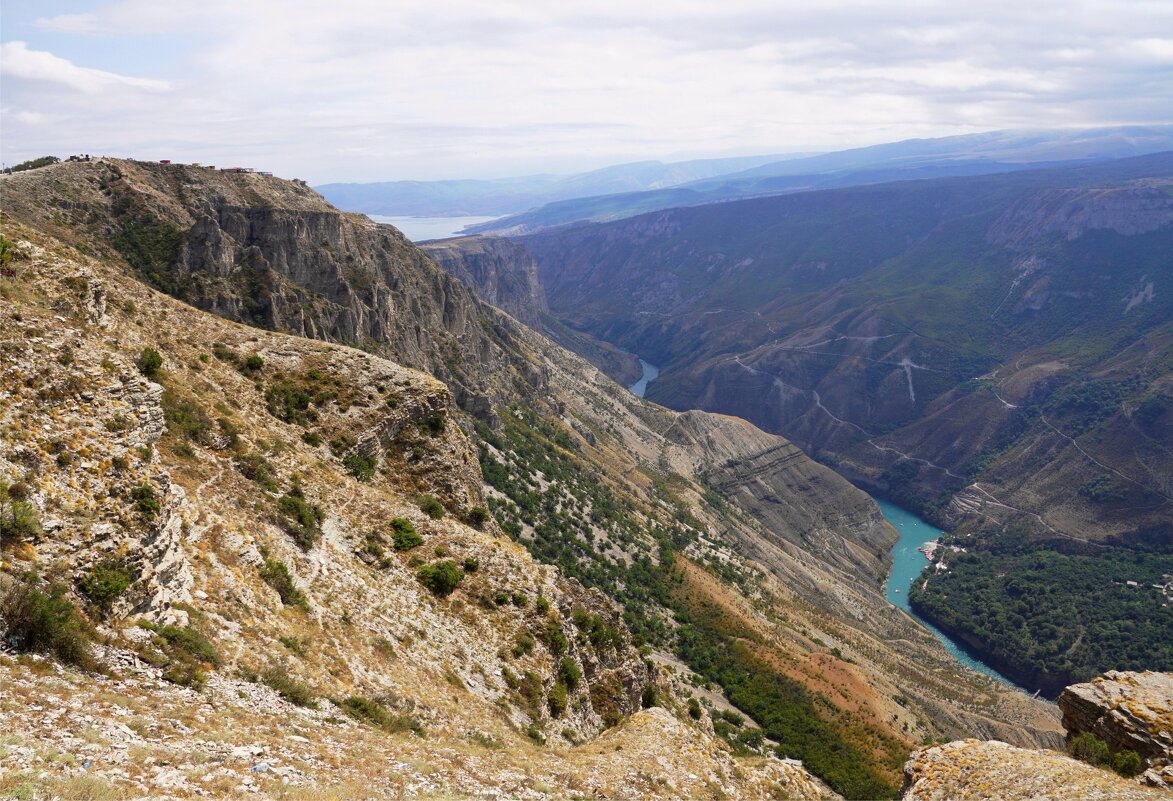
x=367, y=90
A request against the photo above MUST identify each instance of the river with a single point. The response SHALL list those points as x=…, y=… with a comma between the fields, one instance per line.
x=650, y=372
x=907, y=564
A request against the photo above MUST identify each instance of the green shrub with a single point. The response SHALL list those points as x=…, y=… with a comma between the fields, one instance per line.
x=252, y=364
x=554, y=638
x=649, y=697
x=542, y=605
x=46, y=623
x=105, y=583
x=149, y=362
x=557, y=699
x=569, y=673
x=256, y=468
x=694, y=709
x=277, y=678
x=441, y=577
x=478, y=516
x=1126, y=763
x=185, y=417
x=377, y=715
x=32, y=164
x=435, y=425
x=431, y=506
x=404, y=536
x=146, y=501
x=276, y=575
x=359, y=466
x=186, y=653
x=523, y=645
x=18, y=517
x=301, y=519
x=471, y=564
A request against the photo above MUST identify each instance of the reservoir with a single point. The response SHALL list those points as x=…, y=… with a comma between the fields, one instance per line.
x=907, y=564
x=650, y=372
x=421, y=229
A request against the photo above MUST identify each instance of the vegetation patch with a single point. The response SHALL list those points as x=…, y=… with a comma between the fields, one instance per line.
x=186, y=654
x=301, y=519
x=404, y=537
x=47, y=623
x=377, y=715
x=276, y=575
x=278, y=678
x=441, y=577
x=105, y=583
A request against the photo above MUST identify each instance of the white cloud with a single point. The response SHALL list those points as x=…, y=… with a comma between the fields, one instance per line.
x=365, y=89
x=18, y=61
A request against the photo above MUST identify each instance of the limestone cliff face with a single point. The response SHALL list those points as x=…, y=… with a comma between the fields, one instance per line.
x=273, y=253
x=215, y=438
x=1129, y=711
x=502, y=273
x=995, y=771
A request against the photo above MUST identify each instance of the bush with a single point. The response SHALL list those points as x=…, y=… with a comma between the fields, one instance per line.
x=149, y=363
x=300, y=518
x=256, y=468
x=289, y=688
x=404, y=536
x=1126, y=763
x=32, y=164
x=376, y=714
x=557, y=699
x=694, y=709
x=186, y=652
x=569, y=673
x=276, y=575
x=650, y=697
x=431, y=506
x=359, y=466
x=554, y=638
x=18, y=517
x=441, y=577
x=146, y=501
x=471, y=564
x=478, y=516
x=186, y=417
x=49, y=624
x=105, y=583
x=252, y=364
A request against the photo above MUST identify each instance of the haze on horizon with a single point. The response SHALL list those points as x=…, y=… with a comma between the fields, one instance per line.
x=362, y=90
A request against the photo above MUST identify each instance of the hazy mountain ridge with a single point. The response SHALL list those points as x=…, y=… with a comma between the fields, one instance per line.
x=915, y=159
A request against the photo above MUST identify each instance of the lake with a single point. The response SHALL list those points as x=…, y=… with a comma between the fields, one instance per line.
x=907, y=564
x=419, y=229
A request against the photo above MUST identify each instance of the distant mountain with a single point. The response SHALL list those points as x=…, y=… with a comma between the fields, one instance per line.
x=512, y=195
x=994, y=351
x=913, y=159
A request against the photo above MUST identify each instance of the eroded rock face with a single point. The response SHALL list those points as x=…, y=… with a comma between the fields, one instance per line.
x=1129, y=711
x=501, y=272
x=993, y=770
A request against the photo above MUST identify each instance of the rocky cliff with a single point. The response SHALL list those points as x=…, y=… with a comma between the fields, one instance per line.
x=1130, y=712
x=228, y=518
x=501, y=272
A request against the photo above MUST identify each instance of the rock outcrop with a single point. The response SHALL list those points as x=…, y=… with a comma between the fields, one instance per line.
x=1129, y=711
x=994, y=771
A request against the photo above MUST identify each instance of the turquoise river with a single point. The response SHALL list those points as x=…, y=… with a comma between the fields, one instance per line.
x=907, y=564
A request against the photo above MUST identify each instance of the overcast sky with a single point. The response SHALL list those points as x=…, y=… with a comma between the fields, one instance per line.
x=391, y=89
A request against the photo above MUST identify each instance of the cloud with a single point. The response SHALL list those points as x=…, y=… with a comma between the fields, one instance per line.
x=363, y=89
x=19, y=62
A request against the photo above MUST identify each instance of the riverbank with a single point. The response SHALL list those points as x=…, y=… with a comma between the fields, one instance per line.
x=908, y=562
